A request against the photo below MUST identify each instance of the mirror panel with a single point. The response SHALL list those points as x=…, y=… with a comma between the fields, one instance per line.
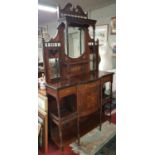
x=54, y=68
x=75, y=42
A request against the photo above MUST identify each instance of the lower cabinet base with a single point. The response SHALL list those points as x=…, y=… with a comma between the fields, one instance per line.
x=70, y=131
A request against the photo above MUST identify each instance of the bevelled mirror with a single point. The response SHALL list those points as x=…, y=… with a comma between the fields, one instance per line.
x=74, y=42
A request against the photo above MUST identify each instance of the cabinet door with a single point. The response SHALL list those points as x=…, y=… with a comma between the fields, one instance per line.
x=88, y=98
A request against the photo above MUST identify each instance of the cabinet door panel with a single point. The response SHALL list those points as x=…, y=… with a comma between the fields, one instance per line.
x=88, y=98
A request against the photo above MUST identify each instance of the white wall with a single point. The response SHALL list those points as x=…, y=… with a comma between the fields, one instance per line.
x=103, y=16
x=52, y=28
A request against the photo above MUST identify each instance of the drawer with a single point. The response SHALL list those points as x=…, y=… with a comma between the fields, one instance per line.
x=67, y=91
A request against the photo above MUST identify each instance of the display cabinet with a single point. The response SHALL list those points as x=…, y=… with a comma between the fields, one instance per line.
x=73, y=82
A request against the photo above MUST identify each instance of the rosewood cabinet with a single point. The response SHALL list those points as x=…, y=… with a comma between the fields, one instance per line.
x=73, y=82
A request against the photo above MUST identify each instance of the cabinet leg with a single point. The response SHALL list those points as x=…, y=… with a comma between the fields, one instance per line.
x=111, y=100
x=78, y=141
x=61, y=143
x=101, y=110
x=100, y=127
x=78, y=131
x=61, y=150
x=100, y=119
x=60, y=126
x=110, y=112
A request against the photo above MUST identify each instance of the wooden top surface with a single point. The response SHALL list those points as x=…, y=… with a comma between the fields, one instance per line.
x=77, y=80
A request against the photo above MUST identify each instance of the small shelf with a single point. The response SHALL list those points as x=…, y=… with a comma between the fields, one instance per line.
x=66, y=117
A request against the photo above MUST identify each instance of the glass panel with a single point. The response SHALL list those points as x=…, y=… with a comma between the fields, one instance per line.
x=54, y=68
x=75, y=42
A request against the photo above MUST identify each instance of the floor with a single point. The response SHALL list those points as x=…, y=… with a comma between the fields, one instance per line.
x=54, y=150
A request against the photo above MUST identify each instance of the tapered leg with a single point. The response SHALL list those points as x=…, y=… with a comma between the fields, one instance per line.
x=111, y=99
x=60, y=127
x=61, y=150
x=110, y=113
x=61, y=142
x=78, y=130
x=101, y=108
x=78, y=120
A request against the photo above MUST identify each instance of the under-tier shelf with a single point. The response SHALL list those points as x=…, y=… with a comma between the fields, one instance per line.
x=66, y=116
x=69, y=132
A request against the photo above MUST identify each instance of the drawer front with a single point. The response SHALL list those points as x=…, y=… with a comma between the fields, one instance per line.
x=67, y=91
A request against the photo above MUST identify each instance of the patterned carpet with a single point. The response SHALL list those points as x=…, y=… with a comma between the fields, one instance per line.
x=97, y=141
x=109, y=148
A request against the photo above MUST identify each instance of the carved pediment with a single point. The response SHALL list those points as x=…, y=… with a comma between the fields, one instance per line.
x=70, y=10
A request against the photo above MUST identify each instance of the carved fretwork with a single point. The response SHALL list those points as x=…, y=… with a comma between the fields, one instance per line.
x=70, y=10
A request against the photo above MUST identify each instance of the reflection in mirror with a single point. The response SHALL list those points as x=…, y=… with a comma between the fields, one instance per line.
x=54, y=68
x=75, y=42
